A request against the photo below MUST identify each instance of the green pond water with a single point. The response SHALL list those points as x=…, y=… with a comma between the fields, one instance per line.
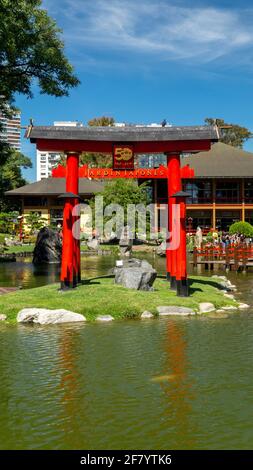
x=181, y=383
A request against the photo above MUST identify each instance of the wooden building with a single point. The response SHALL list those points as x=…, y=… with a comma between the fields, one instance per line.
x=42, y=197
x=221, y=192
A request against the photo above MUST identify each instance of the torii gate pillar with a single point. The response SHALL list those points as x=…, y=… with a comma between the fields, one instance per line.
x=174, y=185
x=70, y=268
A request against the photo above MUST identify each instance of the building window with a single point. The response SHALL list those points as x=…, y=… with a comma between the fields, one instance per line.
x=249, y=216
x=35, y=201
x=248, y=192
x=227, y=192
x=198, y=218
x=200, y=192
x=226, y=218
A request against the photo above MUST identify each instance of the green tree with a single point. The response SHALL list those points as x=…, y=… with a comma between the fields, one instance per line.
x=122, y=192
x=34, y=222
x=7, y=221
x=102, y=121
x=31, y=51
x=95, y=159
x=98, y=159
x=11, y=178
x=31, y=48
x=231, y=134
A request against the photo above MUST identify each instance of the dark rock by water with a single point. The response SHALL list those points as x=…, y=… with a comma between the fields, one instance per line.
x=48, y=247
x=135, y=274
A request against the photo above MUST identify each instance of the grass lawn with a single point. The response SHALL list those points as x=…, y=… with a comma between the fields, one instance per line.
x=29, y=248
x=101, y=296
x=21, y=249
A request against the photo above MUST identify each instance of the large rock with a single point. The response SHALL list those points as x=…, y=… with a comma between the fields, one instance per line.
x=165, y=310
x=105, y=318
x=147, y=314
x=243, y=306
x=135, y=274
x=44, y=316
x=48, y=247
x=206, y=307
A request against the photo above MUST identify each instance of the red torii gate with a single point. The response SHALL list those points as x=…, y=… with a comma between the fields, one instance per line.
x=123, y=143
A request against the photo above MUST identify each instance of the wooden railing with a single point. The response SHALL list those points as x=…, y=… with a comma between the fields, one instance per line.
x=233, y=254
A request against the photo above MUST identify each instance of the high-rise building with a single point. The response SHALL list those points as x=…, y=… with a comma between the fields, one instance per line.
x=10, y=129
x=46, y=160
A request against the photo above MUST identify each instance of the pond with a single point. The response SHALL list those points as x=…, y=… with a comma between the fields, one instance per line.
x=183, y=383
x=24, y=274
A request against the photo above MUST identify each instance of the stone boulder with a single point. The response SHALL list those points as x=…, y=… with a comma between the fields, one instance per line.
x=135, y=274
x=147, y=314
x=243, y=306
x=44, y=316
x=206, y=307
x=105, y=318
x=165, y=310
x=48, y=247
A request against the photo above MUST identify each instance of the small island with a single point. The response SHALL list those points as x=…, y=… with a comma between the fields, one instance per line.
x=101, y=296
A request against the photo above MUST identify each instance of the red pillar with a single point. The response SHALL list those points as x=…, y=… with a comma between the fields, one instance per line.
x=70, y=251
x=181, y=274
x=174, y=185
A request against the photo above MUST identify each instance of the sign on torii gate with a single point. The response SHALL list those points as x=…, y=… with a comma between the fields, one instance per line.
x=109, y=173
x=171, y=141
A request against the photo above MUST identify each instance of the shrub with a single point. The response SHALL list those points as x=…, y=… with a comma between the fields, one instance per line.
x=7, y=222
x=241, y=228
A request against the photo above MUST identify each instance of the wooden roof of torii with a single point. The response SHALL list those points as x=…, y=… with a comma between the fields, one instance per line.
x=145, y=139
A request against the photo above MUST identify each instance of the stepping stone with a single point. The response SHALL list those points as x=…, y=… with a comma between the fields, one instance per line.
x=104, y=318
x=218, y=315
x=243, y=306
x=44, y=316
x=205, y=307
x=147, y=314
x=229, y=307
x=165, y=310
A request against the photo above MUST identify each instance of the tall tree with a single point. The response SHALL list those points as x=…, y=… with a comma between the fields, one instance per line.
x=31, y=51
x=31, y=48
x=231, y=134
x=98, y=159
x=11, y=178
x=95, y=159
x=102, y=121
x=122, y=192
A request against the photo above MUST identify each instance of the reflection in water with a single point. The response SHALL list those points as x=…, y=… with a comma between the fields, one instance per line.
x=179, y=390
x=89, y=386
x=68, y=383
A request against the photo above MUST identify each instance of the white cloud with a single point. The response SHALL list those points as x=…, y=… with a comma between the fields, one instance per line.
x=157, y=28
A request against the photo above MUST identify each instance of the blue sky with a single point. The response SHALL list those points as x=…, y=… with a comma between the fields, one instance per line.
x=143, y=61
